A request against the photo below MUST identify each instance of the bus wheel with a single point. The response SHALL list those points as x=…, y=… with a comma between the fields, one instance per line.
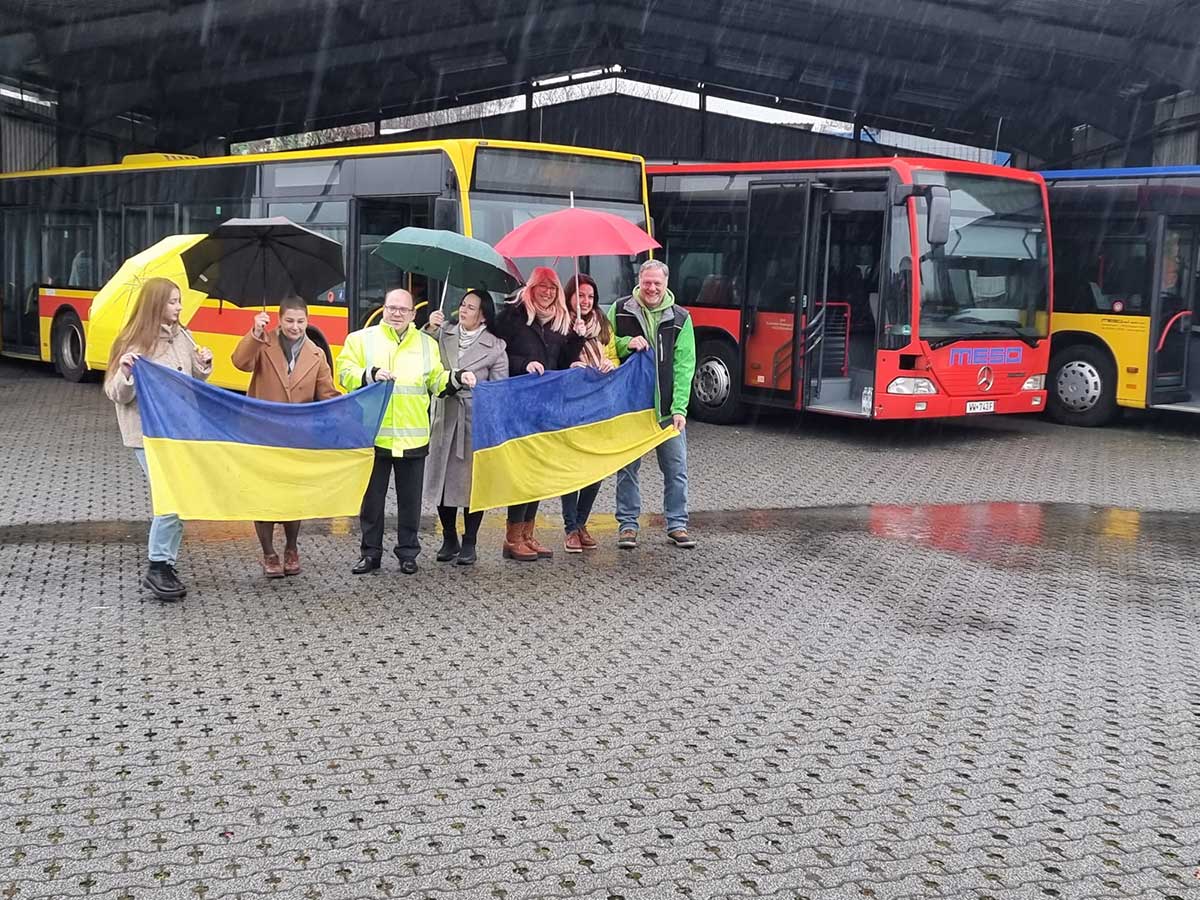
x=716, y=391
x=1083, y=384
x=66, y=347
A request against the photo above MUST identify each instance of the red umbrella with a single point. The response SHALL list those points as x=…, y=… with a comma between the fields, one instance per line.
x=576, y=232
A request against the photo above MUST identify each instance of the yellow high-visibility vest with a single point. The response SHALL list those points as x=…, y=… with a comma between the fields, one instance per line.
x=413, y=357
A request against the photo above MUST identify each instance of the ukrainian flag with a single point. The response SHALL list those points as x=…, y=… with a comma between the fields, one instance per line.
x=214, y=454
x=543, y=436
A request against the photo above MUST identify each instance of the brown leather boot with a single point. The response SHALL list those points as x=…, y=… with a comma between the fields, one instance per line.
x=515, y=546
x=531, y=541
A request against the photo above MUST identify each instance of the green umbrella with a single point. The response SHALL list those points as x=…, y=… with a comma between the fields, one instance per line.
x=452, y=257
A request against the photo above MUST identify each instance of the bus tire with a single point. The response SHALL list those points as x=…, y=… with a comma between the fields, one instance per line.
x=67, y=345
x=716, y=387
x=1082, y=388
x=317, y=338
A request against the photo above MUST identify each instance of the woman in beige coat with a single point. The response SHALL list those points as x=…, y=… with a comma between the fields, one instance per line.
x=469, y=344
x=287, y=368
x=154, y=332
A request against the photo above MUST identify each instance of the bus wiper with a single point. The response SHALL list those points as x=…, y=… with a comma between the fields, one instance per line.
x=1015, y=330
x=939, y=343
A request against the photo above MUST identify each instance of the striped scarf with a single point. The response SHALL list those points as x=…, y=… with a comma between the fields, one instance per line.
x=589, y=330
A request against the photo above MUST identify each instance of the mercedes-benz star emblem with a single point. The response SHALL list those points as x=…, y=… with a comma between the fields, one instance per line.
x=985, y=378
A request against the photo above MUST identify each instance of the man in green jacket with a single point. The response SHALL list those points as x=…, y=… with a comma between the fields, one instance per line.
x=649, y=320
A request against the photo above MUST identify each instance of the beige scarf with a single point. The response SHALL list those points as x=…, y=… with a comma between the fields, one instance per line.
x=589, y=330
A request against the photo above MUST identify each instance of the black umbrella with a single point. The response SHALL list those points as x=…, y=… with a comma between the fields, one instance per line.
x=251, y=262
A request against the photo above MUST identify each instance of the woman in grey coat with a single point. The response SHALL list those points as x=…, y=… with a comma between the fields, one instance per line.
x=469, y=344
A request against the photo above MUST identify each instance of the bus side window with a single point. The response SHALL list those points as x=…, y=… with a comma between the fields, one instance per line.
x=68, y=249
x=1108, y=275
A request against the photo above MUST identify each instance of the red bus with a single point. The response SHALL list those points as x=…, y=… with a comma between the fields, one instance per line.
x=800, y=281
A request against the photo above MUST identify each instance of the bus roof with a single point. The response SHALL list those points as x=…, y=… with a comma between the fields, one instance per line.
x=147, y=161
x=1131, y=172
x=905, y=166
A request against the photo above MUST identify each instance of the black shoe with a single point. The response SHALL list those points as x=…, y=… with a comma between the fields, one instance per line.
x=365, y=565
x=174, y=579
x=466, y=556
x=450, y=548
x=408, y=566
x=163, y=583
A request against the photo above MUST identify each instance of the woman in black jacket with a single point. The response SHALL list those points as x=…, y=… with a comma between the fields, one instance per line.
x=536, y=327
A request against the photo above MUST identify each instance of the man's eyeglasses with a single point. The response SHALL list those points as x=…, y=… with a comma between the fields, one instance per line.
x=399, y=310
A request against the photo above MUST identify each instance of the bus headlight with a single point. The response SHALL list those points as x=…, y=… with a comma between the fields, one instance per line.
x=1034, y=383
x=911, y=386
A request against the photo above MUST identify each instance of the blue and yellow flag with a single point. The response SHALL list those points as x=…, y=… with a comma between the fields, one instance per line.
x=543, y=436
x=214, y=454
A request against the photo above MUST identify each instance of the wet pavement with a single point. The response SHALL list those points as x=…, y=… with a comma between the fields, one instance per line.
x=895, y=697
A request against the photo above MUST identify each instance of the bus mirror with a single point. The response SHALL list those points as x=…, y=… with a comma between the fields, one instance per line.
x=445, y=214
x=939, y=215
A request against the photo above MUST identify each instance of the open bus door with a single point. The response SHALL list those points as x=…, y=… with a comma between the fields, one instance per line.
x=1173, y=313
x=782, y=322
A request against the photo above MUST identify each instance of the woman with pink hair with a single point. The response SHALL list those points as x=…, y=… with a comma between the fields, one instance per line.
x=536, y=328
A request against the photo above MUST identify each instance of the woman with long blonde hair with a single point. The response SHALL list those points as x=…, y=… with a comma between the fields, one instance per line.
x=153, y=332
x=536, y=329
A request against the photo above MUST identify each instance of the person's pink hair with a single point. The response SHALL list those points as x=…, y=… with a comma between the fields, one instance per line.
x=561, y=322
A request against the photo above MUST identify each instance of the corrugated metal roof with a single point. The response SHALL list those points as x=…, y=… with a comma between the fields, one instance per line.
x=950, y=68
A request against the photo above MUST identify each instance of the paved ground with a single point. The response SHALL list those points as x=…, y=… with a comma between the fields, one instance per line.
x=945, y=662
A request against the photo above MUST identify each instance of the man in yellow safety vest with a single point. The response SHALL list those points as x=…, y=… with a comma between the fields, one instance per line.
x=397, y=351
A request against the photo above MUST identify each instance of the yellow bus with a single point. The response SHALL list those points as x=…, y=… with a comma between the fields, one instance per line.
x=1126, y=260
x=65, y=231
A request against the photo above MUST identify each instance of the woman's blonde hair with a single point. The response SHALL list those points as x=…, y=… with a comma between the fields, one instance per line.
x=141, y=332
x=561, y=322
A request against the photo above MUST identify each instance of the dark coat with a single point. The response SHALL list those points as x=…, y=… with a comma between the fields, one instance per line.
x=529, y=343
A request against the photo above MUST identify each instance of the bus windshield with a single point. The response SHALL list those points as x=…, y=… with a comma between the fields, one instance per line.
x=991, y=279
x=493, y=215
x=509, y=187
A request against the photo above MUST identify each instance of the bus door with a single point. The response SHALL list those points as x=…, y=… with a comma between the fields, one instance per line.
x=1171, y=324
x=20, y=267
x=373, y=220
x=782, y=235
x=843, y=292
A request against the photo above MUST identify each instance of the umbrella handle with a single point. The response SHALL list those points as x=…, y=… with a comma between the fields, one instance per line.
x=445, y=287
x=578, y=317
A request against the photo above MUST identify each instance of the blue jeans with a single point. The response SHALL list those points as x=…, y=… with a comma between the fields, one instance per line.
x=672, y=462
x=166, y=532
x=577, y=506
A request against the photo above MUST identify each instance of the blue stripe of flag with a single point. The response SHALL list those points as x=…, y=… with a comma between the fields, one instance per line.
x=176, y=406
x=535, y=404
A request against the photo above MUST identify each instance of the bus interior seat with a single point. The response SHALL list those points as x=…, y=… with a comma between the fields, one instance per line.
x=1099, y=298
x=715, y=290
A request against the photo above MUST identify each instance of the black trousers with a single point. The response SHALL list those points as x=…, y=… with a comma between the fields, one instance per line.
x=409, y=473
x=523, y=512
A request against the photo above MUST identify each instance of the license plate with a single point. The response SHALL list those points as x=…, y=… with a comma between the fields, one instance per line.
x=980, y=406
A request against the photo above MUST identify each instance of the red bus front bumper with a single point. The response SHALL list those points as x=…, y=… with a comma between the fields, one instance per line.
x=935, y=406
